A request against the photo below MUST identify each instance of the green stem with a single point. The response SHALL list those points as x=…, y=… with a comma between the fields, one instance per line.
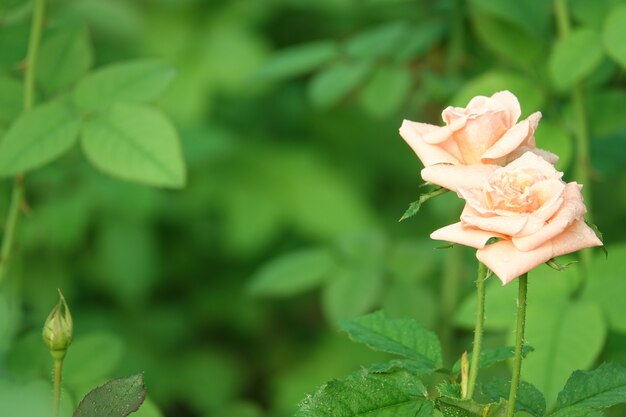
x=519, y=341
x=17, y=195
x=58, y=372
x=478, y=328
x=449, y=296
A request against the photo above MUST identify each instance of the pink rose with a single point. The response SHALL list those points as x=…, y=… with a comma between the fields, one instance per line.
x=536, y=215
x=485, y=132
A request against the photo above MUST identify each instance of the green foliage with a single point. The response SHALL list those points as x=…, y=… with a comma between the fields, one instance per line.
x=386, y=89
x=613, y=34
x=38, y=137
x=601, y=388
x=297, y=60
x=365, y=394
x=529, y=398
x=397, y=336
x=11, y=92
x=334, y=83
x=135, y=143
x=574, y=57
x=489, y=357
x=116, y=398
x=415, y=206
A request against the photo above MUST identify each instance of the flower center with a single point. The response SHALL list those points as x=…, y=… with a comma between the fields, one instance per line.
x=512, y=191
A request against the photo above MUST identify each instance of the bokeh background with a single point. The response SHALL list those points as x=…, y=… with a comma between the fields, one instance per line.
x=228, y=293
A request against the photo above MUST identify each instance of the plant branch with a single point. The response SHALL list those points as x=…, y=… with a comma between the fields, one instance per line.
x=519, y=343
x=483, y=272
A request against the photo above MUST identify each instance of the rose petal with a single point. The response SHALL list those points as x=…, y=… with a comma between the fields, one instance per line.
x=516, y=137
x=572, y=209
x=511, y=103
x=577, y=236
x=467, y=236
x=508, y=263
x=505, y=225
x=454, y=177
x=413, y=133
x=534, y=161
x=548, y=156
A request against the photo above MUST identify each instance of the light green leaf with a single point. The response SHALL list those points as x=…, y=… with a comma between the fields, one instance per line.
x=412, y=300
x=530, y=96
x=605, y=116
x=398, y=336
x=139, y=81
x=38, y=137
x=378, y=41
x=500, y=307
x=554, y=138
x=606, y=285
x=601, y=388
x=64, y=58
x=490, y=357
x=531, y=15
x=614, y=34
x=419, y=39
x=385, y=91
x=416, y=205
x=353, y=290
x=591, y=13
x=92, y=358
x=577, y=412
x=574, y=57
x=30, y=398
x=569, y=335
x=136, y=144
x=297, y=60
x=11, y=99
x=292, y=273
x=116, y=398
x=529, y=398
x=335, y=82
x=373, y=395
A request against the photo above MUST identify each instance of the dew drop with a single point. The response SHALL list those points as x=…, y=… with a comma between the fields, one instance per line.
x=506, y=259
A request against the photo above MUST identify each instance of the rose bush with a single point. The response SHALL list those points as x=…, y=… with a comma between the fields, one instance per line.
x=526, y=204
x=487, y=131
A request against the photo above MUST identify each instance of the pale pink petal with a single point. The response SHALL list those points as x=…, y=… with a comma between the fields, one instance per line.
x=508, y=263
x=457, y=233
x=577, y=236
x=511, y=103
x=413, y=133
x=516, y=137
x=453, y=177
x=548, y=156
x=531, y=160
x=572, y=209
x=505, y=225
x=475, y=199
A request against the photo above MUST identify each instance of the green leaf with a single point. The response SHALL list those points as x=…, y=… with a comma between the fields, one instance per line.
x=577, y=412
x=353, y=290
x=452, y=407
x=450, y=390
x=64, y=58
x=335, y=82
x=136, y=144
x=415, y=206
x=529, y=398
x=600, y=388
x=377, y=42
x=607, y=286
x=11, y=99
x=373, y=395
x=556, y=139
x=139, y=81
x=293, y=273
x=297, y=60
x=530, y=96
x=385, y=91
x=574, y=57
x=531, y=15
x=412, y=366
x=397, y=336
x=500, y=307
x=419, y=39
x=489, y=357
x=614, y=33
x=38, y=137
x=116, y=398
x=571, y=335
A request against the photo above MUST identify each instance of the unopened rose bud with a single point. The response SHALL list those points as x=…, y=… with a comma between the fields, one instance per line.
x=57, y=332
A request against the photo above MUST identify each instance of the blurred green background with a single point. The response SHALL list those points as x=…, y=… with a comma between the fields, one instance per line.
x=227, y=293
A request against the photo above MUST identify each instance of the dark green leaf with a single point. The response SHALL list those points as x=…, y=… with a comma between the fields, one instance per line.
x=556, y=139
x=377, y=42
x=398, y=394
x=449, y=390
x=529, y=398
x=293, y=273
x=607, y=286
x=577, y=412
x=574, y=57
x=116, y=398
x=398, y=336
x=599, y=235
x=64, y=58
x=552, y=263
x=614, y=33
x=332, y=84
x=38, y=137
x=136, y=144
x=137, y=82
x=415, y=206
x=489, y=357
x=11, y=99
x=385, y=91
x=601, y=388
x=419, y=40
x=415, y=367
x=297, y=60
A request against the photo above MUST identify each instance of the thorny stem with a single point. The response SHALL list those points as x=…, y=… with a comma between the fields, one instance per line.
x=519, y=342
x=17, y=195
x=482, y=275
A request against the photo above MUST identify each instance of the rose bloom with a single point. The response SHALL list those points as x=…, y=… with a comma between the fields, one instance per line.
x=487, y=131
x=535, y=215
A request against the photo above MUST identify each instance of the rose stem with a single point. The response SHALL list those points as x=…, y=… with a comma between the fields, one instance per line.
x=449, y=296
x=519, y=341
x=17, y=194
x=483, y=272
